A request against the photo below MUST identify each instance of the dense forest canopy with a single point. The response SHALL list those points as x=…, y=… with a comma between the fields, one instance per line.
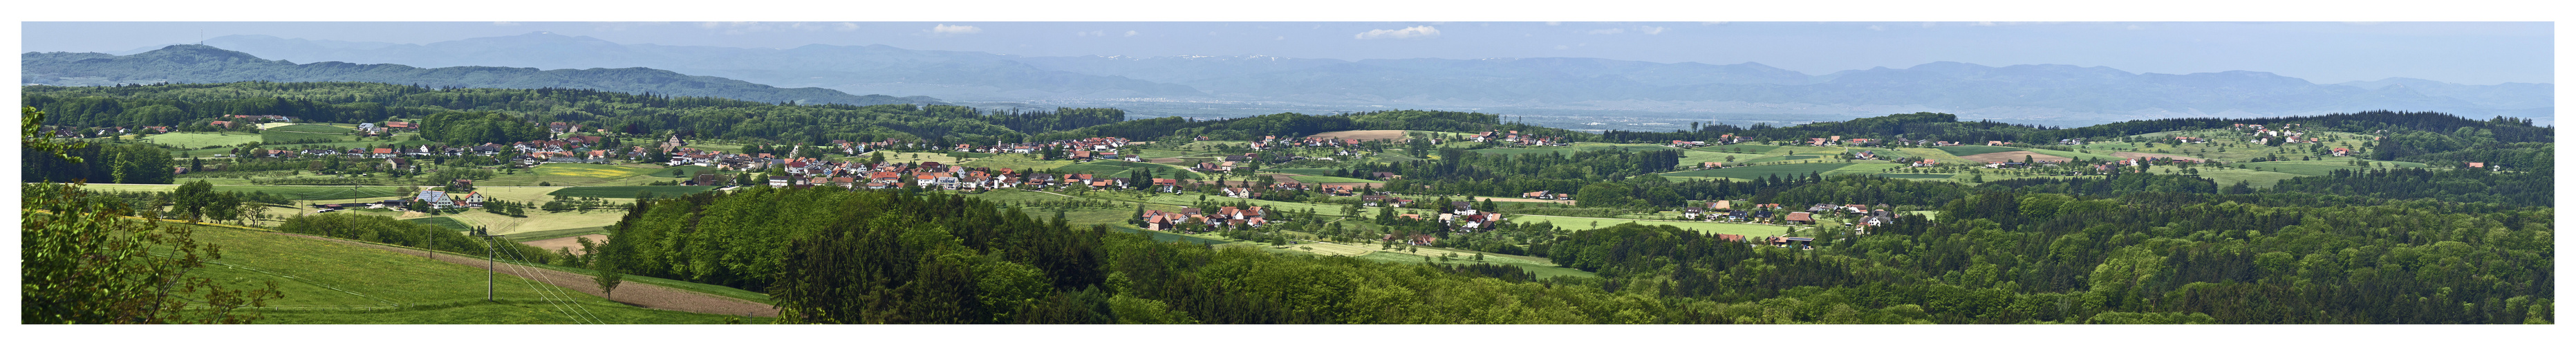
x=1995, y=256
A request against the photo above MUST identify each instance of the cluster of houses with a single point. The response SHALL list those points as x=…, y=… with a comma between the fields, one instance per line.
x=581, y=149
x=433, y=198
x=1515, y=137
x=1223, y=217
x=1739, y=211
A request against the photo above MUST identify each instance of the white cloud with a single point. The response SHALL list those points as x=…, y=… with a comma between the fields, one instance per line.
x=1555, y=23
x=1984, y=24
x=1651, y=30
x=1131, y=33
x=505, y=23
x=2136, y=27
x=1878, y=28
x=1417, y=32
x=2363, y=23
x=1712, y=23
x=1610, y=31
x=945, y=29
x=846, y=26
x=1927, y=24
x=1281, y=38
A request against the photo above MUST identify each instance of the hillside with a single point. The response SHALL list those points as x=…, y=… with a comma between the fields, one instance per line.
x=207, y=64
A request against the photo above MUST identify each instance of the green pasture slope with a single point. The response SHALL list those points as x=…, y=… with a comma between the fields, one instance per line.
x=333, y=283
x=201, y=140
x=1738, y=148
x=442, y=221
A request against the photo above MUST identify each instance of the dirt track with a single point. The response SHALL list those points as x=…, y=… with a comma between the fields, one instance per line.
x=630, y=292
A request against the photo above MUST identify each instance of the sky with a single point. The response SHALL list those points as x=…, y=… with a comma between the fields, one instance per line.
x=2476, y=53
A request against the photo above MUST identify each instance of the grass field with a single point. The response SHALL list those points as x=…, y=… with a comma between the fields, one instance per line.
x=2229, y=177
x=333, y=283
x=289, y=137
x=627, y=191
x=1738, y=147
x=1965, y=150
x=538, y=220
x=1932, y=154
x=1018, y=162
x=681, y=172
x=580, y=174
x=201, y=140
x=1864, y=167
x=1916, y=176
x=442, y=221
x=1757, y=172
x=541, y=235
x=1782, y=158
x=315, y=128
x=2077, y=155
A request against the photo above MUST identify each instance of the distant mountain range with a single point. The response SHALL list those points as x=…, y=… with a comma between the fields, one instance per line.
x=208, y=64
x=2059, y=92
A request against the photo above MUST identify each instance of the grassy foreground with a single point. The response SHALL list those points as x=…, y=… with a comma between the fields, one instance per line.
x=332, y=283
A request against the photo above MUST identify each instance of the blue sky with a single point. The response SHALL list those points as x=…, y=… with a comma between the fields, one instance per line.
x=2322, y=52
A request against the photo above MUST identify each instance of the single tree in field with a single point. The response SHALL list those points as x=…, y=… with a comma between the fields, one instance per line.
x=607, y=265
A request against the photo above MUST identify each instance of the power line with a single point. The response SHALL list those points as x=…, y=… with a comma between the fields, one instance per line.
x=559, y=291
x=542, y=294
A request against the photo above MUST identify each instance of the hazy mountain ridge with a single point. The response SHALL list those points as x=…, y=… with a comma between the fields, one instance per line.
x=207, y=64
x=2026, y=91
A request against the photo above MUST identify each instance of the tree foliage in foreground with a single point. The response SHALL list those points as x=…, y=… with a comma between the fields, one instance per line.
x=85, y=260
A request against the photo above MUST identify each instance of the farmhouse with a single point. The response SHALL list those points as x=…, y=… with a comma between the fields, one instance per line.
x=1800, y=218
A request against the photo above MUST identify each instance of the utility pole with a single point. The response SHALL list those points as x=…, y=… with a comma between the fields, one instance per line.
x=488, y=263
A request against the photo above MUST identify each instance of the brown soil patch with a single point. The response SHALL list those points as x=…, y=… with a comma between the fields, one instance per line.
x=2014, y=156
x=1282, y=178
x=572, y=243
x=630, y=292
x=2133, y=156
x=1365, y=135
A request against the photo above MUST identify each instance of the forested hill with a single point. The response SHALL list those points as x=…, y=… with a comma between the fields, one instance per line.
x=207, y=64
x=690, y=117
